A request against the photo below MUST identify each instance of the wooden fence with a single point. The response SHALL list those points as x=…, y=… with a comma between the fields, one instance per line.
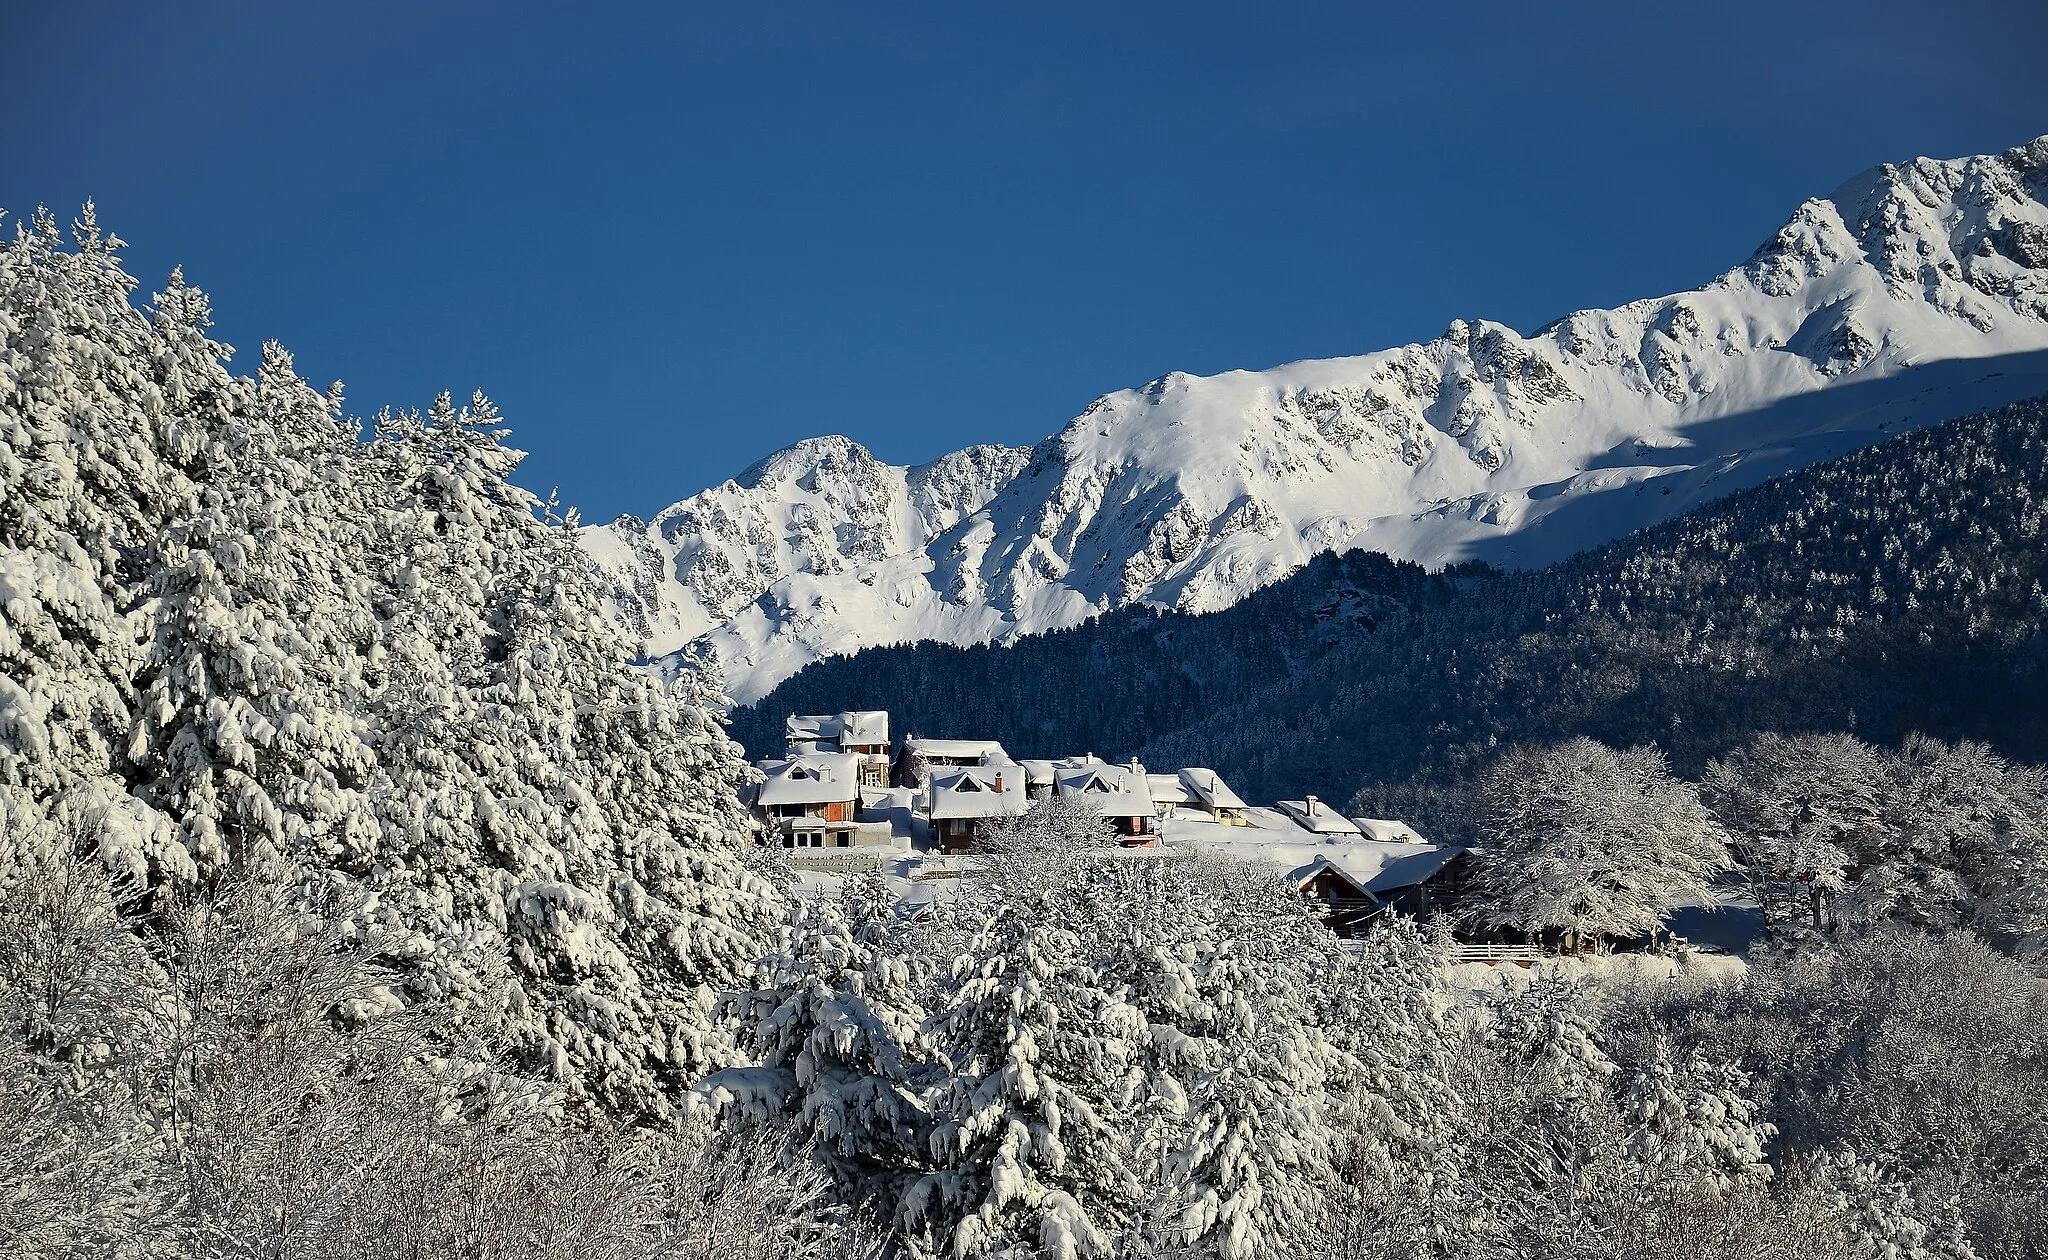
x=1520, y=955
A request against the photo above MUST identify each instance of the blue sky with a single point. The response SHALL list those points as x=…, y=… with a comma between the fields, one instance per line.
x=669, y=239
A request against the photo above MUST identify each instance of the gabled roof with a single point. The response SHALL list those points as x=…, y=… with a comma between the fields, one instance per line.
x=1382, y=869
x=1406, y=865
x=1111, y=791
x=978, y=792
x=1313, y=815
x=1210, y=789
x=857, y=726
x=1305, y=875
x=810, y=779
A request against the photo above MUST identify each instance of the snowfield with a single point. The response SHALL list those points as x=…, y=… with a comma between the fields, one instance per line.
x=1914, y=293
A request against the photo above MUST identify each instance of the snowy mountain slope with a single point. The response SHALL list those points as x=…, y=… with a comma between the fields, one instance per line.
x=1913, y=293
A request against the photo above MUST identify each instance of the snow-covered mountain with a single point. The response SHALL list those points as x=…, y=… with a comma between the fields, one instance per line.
x=1914, y=293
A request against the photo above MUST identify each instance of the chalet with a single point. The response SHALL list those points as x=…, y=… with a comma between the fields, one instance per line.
x=965, y=799
x=1313, y=816
x=1119, y=794
x=922, y=756
x=1348, y=905
x=1419, y=879
x=862, y=732
x=1214, y=797
x=1358, y=882
x=808, y=800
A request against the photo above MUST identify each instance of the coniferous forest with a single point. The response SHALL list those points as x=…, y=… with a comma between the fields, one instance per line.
x=360, y=897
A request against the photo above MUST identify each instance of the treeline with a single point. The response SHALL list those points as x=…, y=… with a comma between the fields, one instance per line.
x=1102, y=686
x=1897, y=589
x=243, y=636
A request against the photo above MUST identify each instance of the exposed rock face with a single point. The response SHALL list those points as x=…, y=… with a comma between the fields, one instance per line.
x=1913, y=293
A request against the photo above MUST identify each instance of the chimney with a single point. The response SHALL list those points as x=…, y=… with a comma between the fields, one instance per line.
x=1311, y=803
x=999, y=785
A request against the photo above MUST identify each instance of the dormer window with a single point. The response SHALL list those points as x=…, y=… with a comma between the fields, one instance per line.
x=967, y=785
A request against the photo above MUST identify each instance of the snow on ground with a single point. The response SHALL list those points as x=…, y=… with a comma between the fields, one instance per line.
x=1604, y=971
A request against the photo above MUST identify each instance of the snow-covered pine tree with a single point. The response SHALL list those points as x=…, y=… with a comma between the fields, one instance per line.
x=83, y=485
x=1389, y=1011
x=1581, y=842
x=835, y=1031
x=536, y=783
x=1249, y=1093
x=1537, y=1128
x=250, y=725
x=370, y=664
x=653, y=759
x=1881, y=1218
x=1029, y=1145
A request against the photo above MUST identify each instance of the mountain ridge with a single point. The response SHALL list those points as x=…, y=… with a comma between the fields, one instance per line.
x=1190, y=492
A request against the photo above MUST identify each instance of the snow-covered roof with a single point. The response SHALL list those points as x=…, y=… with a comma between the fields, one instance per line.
x=1406, y=865
x=1110, y=790
x=810, y=779
x=1301, y=875
x=856, y=726
x=1276, y=840
x=1037, y=771
x=981, y=751
x=1167, y=789
x=1210, y=789
x=1313, y=815
x=1380, y=869
x=1388, y=831
x=978, y=792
